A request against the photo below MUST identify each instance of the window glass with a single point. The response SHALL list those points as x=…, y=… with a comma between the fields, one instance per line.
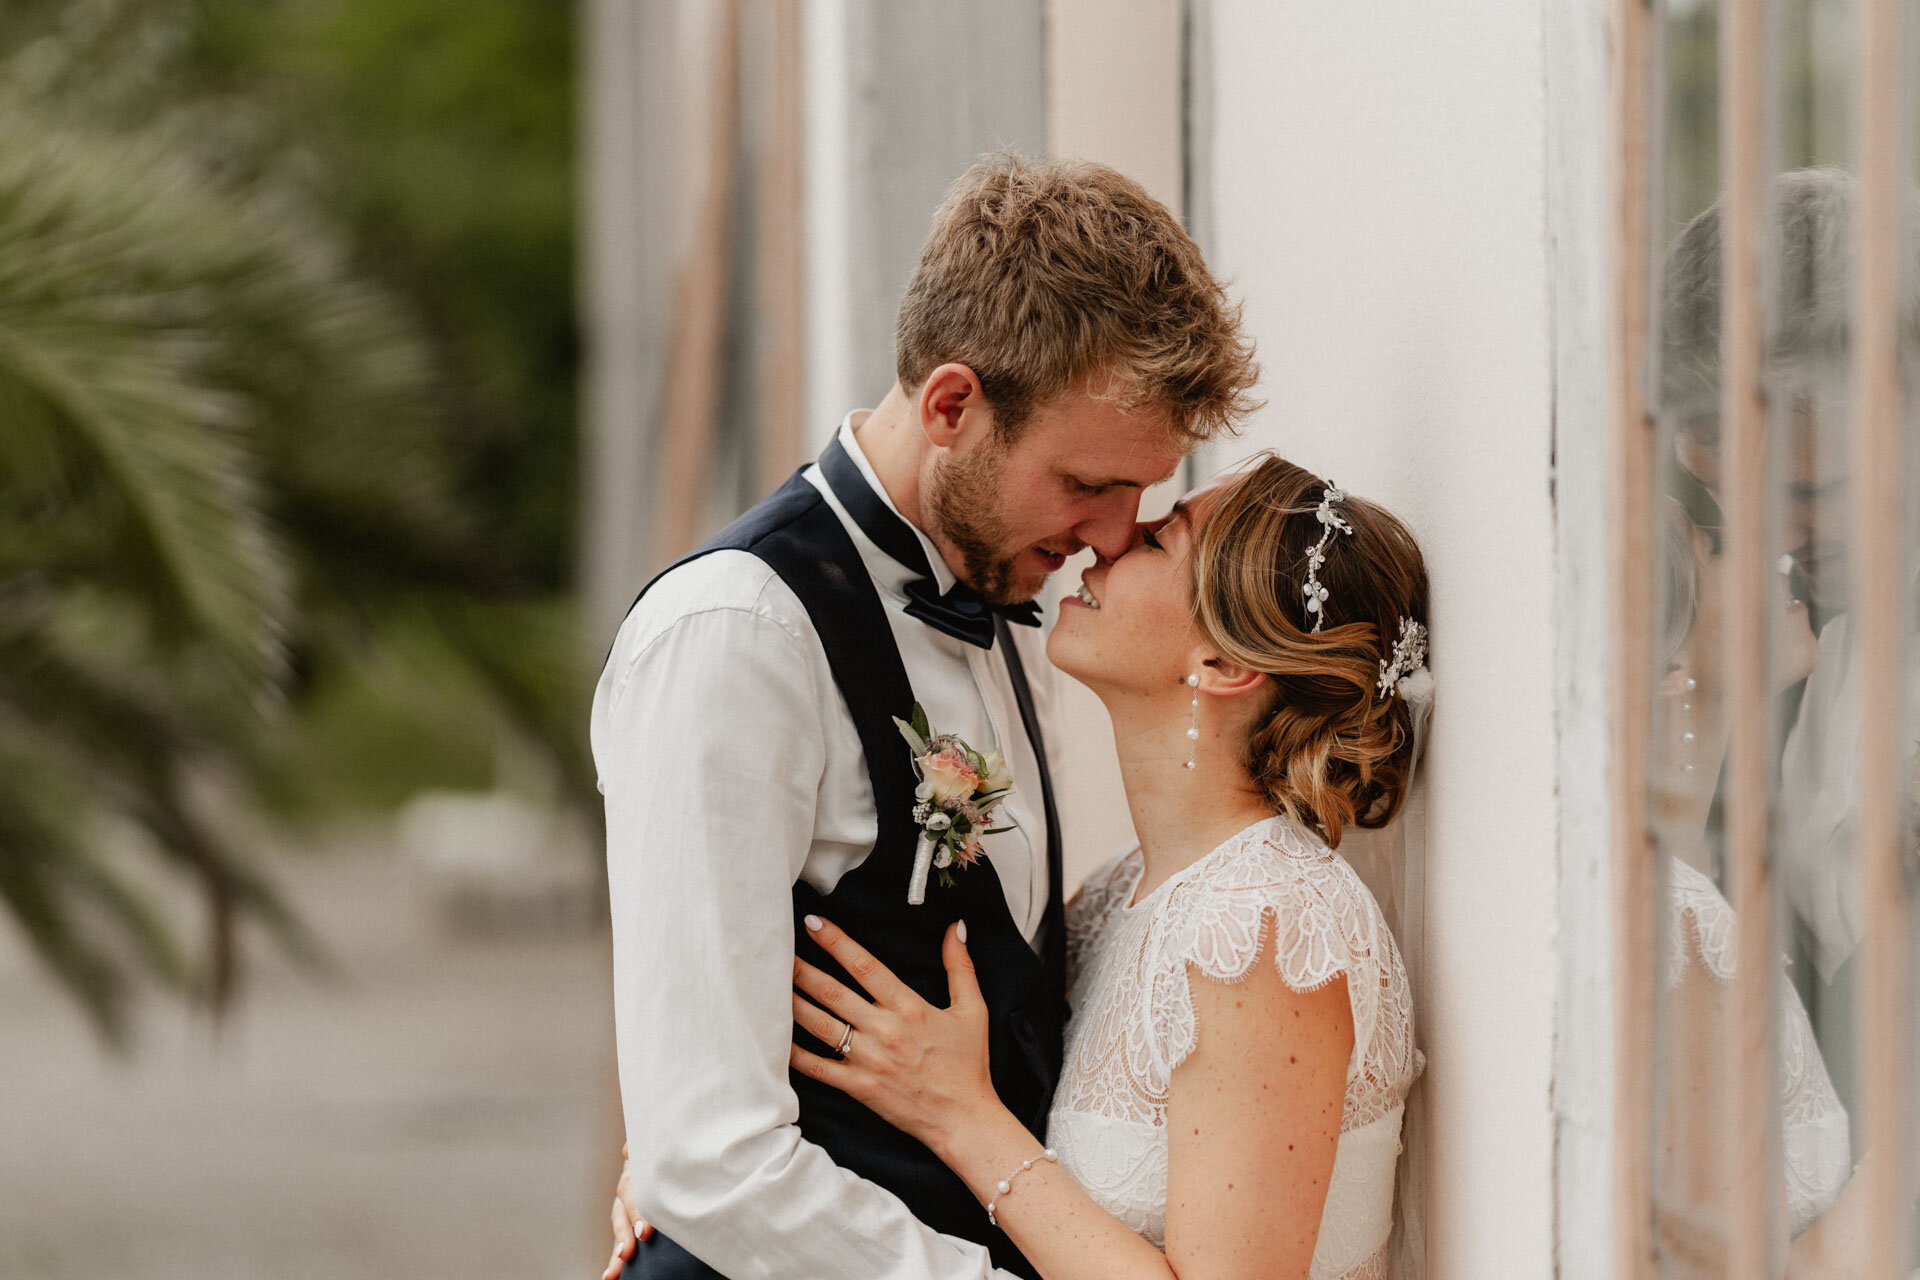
x=1805, y=1115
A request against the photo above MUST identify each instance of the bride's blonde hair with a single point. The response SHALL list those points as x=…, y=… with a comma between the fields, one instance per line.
x=1328, y=750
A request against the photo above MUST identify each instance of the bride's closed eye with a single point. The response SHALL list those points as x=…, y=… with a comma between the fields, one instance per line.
x=1146, y=536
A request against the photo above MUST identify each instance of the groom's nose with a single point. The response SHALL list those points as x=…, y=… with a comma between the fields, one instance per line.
x=1110, y=530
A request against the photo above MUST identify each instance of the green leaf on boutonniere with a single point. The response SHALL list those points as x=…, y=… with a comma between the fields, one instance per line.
x=994, y=831
x=920, y=725
x=991, y=796
x=917, y=739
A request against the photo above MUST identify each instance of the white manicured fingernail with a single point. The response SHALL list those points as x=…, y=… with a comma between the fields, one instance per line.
x=963, y=932
x=814, y=923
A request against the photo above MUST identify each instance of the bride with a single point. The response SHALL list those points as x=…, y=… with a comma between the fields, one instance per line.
x=1241, y=1041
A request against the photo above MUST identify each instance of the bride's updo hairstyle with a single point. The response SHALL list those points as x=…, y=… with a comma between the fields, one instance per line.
x=1328, y=750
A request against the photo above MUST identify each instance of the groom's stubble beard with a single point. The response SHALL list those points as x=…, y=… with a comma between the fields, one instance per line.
x=962, y=500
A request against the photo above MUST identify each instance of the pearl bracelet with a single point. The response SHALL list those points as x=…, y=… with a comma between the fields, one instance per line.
x=1006, y=1184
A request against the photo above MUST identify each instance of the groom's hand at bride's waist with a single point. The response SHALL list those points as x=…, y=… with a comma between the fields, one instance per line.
x=628, y=1225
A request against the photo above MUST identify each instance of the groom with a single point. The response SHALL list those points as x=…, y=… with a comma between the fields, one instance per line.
x=1060, y=347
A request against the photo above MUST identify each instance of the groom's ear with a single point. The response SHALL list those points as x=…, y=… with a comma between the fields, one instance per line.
x=950, y=400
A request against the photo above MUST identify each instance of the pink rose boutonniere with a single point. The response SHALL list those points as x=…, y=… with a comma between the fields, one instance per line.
x=958, y=792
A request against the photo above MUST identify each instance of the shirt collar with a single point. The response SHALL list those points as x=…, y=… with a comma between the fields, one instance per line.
x=887, y=572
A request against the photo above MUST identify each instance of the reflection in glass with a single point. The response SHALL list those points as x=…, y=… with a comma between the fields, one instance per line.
x=1814, y=796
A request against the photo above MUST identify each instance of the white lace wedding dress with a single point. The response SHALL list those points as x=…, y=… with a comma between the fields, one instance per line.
x=1815, y=1146
x=1133, y=1022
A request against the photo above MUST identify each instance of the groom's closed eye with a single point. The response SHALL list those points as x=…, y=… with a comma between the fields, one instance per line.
x=1101, y=486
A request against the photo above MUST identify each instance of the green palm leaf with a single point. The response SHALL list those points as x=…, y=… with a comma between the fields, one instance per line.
x=68, y=901
x=108, y=261
x=218, y=455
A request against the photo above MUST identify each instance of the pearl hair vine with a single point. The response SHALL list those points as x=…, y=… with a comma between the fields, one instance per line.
x=1409, y=651
x=1409, y=656
x=1331, y=522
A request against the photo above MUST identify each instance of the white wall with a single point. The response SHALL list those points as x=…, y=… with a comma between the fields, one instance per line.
x=1114, y=88
x=1378, y=197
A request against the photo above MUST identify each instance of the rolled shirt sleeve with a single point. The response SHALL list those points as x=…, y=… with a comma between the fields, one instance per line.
x=708, y=737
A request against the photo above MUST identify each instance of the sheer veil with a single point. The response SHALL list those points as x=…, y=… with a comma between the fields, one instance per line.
x=1392, y=862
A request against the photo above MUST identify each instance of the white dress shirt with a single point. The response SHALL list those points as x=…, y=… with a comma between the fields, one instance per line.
x=732, y=770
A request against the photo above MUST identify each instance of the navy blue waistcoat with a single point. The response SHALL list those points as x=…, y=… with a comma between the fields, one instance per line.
x=798, y=535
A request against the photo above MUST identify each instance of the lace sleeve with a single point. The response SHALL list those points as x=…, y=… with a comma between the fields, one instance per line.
x=1323, y=924
x=1699, y=925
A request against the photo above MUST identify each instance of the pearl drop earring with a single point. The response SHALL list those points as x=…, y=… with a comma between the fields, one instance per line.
x=1193, y=730
x=1686, y=723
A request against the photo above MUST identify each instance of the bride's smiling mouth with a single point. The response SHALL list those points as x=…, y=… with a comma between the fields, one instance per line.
x=1082, y=597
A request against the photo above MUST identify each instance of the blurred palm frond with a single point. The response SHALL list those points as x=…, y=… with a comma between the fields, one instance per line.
x=162, y=340
x=230, y=476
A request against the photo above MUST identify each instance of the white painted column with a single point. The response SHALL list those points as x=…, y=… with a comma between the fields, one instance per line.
x=827, y=101
x=1580, y=267
x=1115, y=91
x=643, y=138
x=1378, y=186
x=617, y=275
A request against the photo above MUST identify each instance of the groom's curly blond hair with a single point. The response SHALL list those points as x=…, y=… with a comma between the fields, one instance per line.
x=1044, y=276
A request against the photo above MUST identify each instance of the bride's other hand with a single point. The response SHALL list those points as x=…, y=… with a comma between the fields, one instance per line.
x=628, y=1225
x=922, y=1069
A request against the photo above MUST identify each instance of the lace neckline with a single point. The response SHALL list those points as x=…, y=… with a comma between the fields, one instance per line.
x=1131, y=885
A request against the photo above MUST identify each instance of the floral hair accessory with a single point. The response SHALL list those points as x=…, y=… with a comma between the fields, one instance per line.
x=1331, y=521
x=1409, y=656
x=958, y=792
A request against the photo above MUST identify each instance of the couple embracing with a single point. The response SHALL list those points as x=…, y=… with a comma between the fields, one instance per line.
x=860, y=1032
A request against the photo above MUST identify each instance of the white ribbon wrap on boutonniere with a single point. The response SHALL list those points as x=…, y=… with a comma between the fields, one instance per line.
x=958, y=792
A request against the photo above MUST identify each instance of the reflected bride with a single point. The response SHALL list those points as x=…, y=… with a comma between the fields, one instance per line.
x=1241, y=1042
x=1699, y=943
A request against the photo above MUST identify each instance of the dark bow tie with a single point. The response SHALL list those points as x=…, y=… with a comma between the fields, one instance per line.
x=962, y=612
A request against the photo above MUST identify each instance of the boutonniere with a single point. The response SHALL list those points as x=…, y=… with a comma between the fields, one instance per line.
x=958, y=792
